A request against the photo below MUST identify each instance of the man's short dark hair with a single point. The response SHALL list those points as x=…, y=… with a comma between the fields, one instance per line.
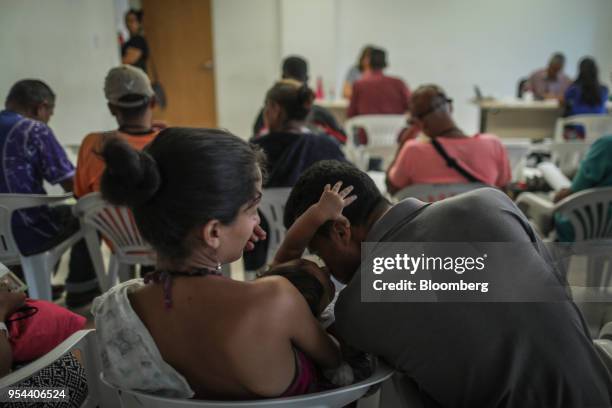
x=28, y=94
x=295, y=67
x=309, y=188
x=558, y=58
x=378, y=58
x=136, y=112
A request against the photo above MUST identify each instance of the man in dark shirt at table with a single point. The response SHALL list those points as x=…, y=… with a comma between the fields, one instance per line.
x=460, y=354
x=377, y=93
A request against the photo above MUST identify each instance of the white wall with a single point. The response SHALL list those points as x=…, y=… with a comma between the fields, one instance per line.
x=492, y=43
x=247, y=53
x=455, y=43
x=250, y=40
x=70, y=45
x=308, y=28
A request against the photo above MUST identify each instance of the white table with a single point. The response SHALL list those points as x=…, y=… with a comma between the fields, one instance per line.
x=515, y=118
x=337, y=107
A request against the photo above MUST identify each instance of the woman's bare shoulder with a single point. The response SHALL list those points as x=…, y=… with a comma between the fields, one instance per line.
x=277, y=294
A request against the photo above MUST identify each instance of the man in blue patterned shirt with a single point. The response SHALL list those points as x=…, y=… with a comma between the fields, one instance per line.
x=29, y=154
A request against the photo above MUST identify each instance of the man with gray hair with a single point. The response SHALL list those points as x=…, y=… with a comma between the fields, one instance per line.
x=32, y=154
x=549, y=82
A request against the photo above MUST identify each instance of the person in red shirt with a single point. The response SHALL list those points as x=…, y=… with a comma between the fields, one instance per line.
x=377, y=93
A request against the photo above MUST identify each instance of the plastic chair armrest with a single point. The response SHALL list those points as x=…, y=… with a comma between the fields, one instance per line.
x=34, y=367
x=538, y=209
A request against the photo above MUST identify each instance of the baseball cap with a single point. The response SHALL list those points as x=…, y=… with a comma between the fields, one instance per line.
x=127, y=80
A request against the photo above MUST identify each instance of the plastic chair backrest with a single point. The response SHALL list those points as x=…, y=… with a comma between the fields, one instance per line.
x=83, y=340
x=116, y=224
x=9, y=252
x=595, y=126
x=382, y=130
x=335, y=398
x=568, y=155
x=430, y=193
x=272, y=206
x=590, y=213
x=517, y=150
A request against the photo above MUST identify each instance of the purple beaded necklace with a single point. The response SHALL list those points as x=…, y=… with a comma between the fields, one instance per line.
x=165, y=278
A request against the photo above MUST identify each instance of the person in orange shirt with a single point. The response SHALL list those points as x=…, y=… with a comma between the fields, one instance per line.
x=131, y=101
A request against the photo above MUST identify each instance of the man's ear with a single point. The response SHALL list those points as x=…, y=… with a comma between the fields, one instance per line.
x=39, y=112
x=210, y=234
x=341, y=231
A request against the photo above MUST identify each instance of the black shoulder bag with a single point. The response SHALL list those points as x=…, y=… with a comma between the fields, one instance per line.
x=452, y=162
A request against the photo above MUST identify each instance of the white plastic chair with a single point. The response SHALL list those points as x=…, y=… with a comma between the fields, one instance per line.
x=586, y=210
x=604, y=349
x=37, y=268
x=595, y=126
x=272, y=206
x=382, y=132
x=430, y=193
x=517, y=150
x=118, y=226
x=335, y=398
x=86, y=342
x=589, y=213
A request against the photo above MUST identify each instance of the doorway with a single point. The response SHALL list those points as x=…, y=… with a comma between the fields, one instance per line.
x=179, y=34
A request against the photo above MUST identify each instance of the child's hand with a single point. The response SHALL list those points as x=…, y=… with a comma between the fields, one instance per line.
x=258, y=235
x=333, y=201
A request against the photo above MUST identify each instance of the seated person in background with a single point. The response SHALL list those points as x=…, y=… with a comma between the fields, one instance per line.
x=131, y=101
x=461, y=354
x=586, y=95
x=290, y=146
x=479, y=158
x=185, y=330
x=318, y=119
x=595, y=171
x=377, y=93
x=65, y=372
x=357, y=71
x=32, y=154
x=549, y=82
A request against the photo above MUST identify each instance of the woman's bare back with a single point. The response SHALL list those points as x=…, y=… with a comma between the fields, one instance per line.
x=225, y=337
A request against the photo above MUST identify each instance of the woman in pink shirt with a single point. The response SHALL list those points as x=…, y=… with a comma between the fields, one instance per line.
x=480, y=158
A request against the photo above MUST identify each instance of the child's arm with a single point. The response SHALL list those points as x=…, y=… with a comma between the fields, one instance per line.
x=329, y=207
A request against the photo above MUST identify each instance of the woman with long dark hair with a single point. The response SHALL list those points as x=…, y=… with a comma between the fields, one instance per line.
x=586, y=95
x=290, y=145
x=357, y=71
x=186, y=330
